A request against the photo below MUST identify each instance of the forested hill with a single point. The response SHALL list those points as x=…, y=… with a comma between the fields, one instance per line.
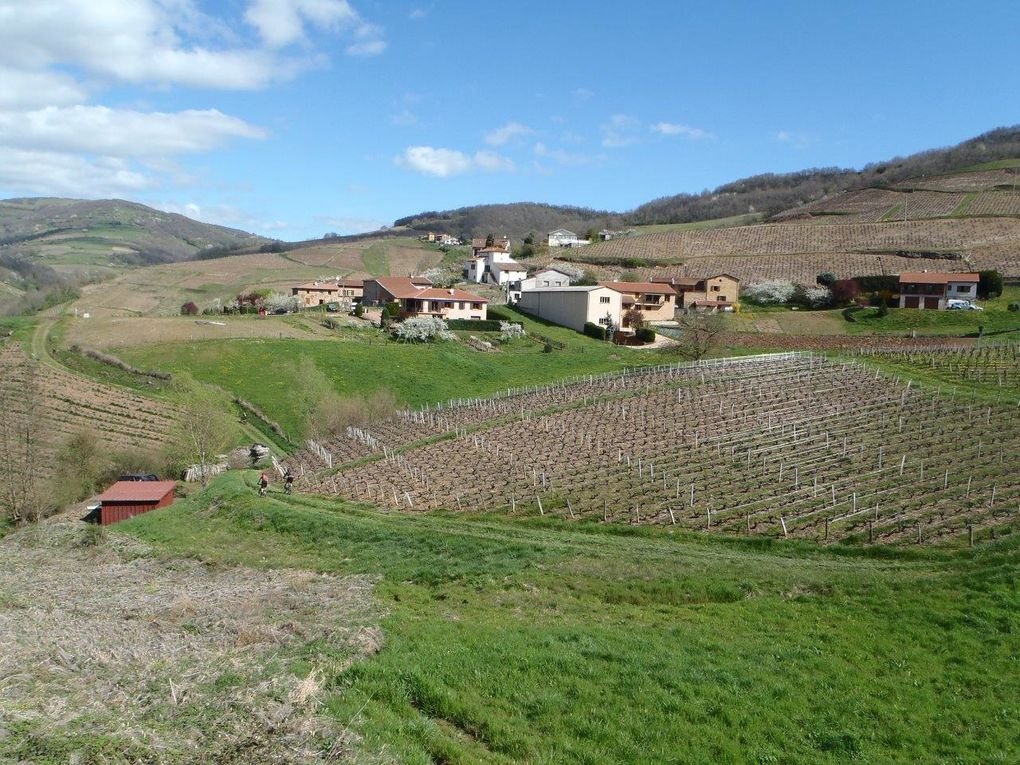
x=768, y=194
x=516, y=220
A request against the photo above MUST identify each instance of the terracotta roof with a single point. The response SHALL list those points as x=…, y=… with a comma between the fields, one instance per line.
x=423, y=280
x=650, y=288
x=933, y=277
x=399, y=286
x=137, y=491
x=459, y=295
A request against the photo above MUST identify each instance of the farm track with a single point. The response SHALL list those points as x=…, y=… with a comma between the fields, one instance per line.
x=789, y=445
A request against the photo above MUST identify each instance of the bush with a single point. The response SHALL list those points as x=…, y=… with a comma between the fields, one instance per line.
x=1013, y=307
x=189, y=309
x=818, y=297
x=547, y=348
x=359, y=310
x=508, y=331
x=594, y=330
x=826, y=278
x=989, y=284
x=883, y=309
x=476, y=325
x=845, y=291
x=772, y=292
x=422, y=329
x=645, y=335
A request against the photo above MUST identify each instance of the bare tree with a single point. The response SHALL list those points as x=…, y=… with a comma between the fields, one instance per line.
x=21, y=460
x=205, y=428
x=700, y=334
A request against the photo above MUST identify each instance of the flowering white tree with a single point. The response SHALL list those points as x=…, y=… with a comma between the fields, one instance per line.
x=818, y=297
x=422, y=329
x=278, y=300
x=508, y=330
x=772, y=292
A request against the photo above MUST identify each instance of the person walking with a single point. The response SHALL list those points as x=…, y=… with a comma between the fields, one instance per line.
x=263, y=484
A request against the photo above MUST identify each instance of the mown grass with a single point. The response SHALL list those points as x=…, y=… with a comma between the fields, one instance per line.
x=542, y=641
x=356, y=361
x=994, y=318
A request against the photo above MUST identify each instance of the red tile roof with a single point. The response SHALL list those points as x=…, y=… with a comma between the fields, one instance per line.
x=933, y=277
x=137, y=491
x=460, y=295
x=648, y=288
x=399, y=286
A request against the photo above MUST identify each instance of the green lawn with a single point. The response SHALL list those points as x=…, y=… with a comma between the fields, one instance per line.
x=538, y=641
x=267, y=372
x=900, y=321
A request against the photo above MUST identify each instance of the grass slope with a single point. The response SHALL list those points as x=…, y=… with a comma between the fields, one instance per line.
x=996, y=317
x=542, y=642
x=268, y=372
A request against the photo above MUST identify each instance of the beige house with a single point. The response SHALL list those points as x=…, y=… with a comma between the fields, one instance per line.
x=656, y=301
x=424, y=300
x=335, y=291
x=574, y=306
x=711, y=292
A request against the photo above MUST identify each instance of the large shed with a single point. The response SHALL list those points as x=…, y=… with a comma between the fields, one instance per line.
x=126, y=499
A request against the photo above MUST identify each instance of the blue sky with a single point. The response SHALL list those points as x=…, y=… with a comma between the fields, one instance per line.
x=297, y=117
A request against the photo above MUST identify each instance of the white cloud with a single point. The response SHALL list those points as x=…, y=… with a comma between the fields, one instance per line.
x=671, y=128
x=223, y=215
x=405, y=118
x=366, y=48
x=120, y=132
x=561, y=156
x=417, y=13
x=282, y=22
x=798, y=140
x=503, y=135
x=619, y=131
x=169, y=41
x=27, y=89
x=55, y=173
x=444, y=163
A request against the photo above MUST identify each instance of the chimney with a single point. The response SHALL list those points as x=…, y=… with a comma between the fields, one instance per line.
x=451, y=290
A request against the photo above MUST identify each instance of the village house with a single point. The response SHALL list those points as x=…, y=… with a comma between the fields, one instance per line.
x=493, y=265
x=712, y=292
x=563, y=238
x=498, y=242
x=418, y=299
x=932, y=290
x=655, y=301
x=332, y=291
x=547, y=277
x=574, y=306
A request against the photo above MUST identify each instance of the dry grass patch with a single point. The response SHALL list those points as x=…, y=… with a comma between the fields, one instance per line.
x=112, y=655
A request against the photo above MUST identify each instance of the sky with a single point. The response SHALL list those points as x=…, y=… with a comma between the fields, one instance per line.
x=293, y=118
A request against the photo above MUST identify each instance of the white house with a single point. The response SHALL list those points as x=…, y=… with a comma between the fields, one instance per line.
x=549, y=277
x=503, y=272
x=494, y=265
x=563, y=238
x=574, y=306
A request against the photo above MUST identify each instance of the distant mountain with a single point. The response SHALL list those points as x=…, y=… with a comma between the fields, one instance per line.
x=49, y=246
x=768, y=194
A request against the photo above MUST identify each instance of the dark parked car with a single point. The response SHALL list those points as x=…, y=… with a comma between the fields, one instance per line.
x=138, y=477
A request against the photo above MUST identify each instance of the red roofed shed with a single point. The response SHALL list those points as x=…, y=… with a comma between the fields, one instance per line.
x=126, y=499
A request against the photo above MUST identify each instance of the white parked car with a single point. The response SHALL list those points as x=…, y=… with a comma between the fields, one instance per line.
x=955, y=304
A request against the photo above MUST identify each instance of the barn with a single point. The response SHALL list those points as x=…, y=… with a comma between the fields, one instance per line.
x=126, y=499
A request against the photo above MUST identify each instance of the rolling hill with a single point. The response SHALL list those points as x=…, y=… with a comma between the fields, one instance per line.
x=49, y=244
x=767, y=194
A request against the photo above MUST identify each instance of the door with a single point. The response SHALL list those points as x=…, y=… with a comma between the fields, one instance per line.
x=911, y=301
x=931, y=302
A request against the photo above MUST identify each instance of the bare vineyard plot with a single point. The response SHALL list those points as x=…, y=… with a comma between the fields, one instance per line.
x=788, y=445
x=994, y=367
x=69, y=404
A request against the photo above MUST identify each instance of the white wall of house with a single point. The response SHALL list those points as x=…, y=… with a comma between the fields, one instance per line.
x=474, y=270
x=573, y=306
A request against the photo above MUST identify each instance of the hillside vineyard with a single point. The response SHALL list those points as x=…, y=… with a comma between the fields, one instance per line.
x=788, y=445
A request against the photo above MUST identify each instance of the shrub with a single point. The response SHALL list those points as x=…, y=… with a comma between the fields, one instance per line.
x=826, y=278
x=508, y=331
x=772, y=292
x=883, y=309
x=818, y=297
x=845, y=290
x=645, y=335
x=476, y=325
x=989, y=284
x=422, y=329
x=359, y=310
x=594, y=330
x=1013, y=307
x=189, y=309
x=547, y=348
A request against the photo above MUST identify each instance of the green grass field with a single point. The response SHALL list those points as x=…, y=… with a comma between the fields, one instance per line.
x=517, y=640
x=359, y=361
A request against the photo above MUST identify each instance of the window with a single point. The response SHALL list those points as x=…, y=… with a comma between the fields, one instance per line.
x=963, y=288
x=604, y=299
x=715, y=288
x=604, y=321
x=722, y=298
x=476, y=306
x=545, y=283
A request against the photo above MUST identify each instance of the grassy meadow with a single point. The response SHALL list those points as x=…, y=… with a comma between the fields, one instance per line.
x=541, y=641
x=994, y=318
x=268, y=372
